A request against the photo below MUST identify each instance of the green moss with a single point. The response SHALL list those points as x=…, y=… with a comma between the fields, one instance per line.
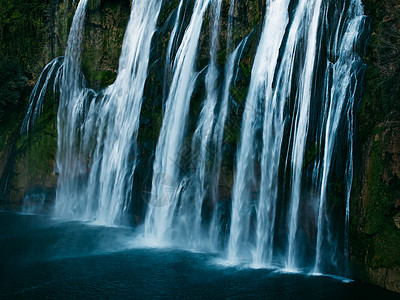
x=381, y=239
x=104, y=78
x=379, y=197
x=311, y=154
x=23, y=26
x=375, y=238
x=7, y=128
x=232, y=131
x=246, y=69
x=36, y=153
x=167, y=8
x=102, y=41
x=385, y=251
x=63, y=23
x=221, y=56
x=239, y=93
x=382, y=77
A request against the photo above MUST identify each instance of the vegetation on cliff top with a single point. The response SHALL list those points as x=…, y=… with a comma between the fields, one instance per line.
x=382, y=93
x=23, y=30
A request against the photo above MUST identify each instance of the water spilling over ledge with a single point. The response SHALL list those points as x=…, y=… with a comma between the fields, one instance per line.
x=270, y=112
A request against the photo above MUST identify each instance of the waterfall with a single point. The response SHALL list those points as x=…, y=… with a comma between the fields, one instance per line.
x=111, y=177
x=341, y=100
x=166, y=187
x=50, y=73
x=218, y=135
x=271, y=91
x=96, y=176
x=275, y=22
x=300, y=126
x=299, y=105
x=70, y=119
x=201, y=146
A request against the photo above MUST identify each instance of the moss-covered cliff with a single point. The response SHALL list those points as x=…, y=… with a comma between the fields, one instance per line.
x=27, y=163
x=375, y=227
x=31, y=35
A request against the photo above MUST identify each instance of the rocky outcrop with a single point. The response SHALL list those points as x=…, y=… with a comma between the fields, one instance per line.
x=375, y=230
x=102, y=40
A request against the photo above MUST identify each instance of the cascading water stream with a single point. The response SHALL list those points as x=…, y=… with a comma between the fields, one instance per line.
x=170, y=49
x=301, y=42
x=273, y=131
x=231, y=13
x=166, y=187
x=107, y=130
x=69, y=117
x=218, y=136
x=201, y=141
x=115, y=156
x=97, y=132
x=341, y=99
x=275, y=22
x=300, y=127
x=36, y=100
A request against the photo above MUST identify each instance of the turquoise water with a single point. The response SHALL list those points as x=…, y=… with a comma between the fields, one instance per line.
x=45, y=258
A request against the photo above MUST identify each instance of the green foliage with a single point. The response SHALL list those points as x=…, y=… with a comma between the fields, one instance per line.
x=382, y=94
x=104, y=78
x=23, y=30
x=385, y=251
x=12, y=84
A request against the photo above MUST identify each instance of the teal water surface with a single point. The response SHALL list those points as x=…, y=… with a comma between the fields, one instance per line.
x=45, y=258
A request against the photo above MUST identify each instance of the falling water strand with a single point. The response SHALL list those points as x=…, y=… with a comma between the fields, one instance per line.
x=231, y=17
x=300, y=129
x=170, y=49
x=165, y=184
x=36, y=99
x=201, y=139
x=273, y=131
x=116, y=155
x=69, y=117
x=218, y=135
x=343, y=72
x=275, y=22
x=106, y=155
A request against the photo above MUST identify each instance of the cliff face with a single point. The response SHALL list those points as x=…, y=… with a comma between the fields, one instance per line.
x=375, y=211
x=28, y=160
x=27, y=163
